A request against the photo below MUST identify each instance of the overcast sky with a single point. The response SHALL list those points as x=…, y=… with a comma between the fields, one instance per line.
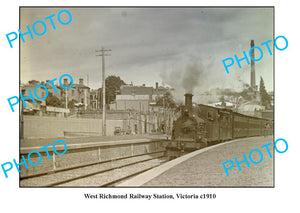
x=149, y=45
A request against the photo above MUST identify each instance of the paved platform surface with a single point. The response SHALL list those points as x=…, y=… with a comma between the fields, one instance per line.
x=78, y=140
x=205, y=169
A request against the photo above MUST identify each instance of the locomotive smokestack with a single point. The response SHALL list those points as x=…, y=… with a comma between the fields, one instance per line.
x=188, y=101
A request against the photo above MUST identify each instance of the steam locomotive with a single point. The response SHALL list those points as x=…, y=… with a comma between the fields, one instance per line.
x=201, y=125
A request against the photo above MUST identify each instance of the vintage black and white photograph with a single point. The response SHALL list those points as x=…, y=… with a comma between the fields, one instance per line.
x=147, y=96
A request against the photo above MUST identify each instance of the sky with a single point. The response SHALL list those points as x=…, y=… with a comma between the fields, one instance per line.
x=178, y=47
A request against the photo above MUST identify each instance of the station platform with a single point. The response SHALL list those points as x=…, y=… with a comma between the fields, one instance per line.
x=83, y=152
x=203, y=168
x=39, y=142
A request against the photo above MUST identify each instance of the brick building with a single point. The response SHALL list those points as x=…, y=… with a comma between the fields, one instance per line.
x=78, y=92
x=138, y=103
x=137, y=98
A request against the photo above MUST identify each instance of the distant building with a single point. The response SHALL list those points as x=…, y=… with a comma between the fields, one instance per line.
x=78, y=92
x=138, y=98
x=95, y=99
x=144, y=90
x=251, y=108
x=130, y=89
x=51, y=91
x=138, y=103
x=35, y=107
x=271, y=94
x=224, y=104
x=40, y=92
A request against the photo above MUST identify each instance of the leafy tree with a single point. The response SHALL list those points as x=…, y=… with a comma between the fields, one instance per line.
x=53, y=101
x=112, y=84
x=166, y=101
x=265, y=98
x=71, y=104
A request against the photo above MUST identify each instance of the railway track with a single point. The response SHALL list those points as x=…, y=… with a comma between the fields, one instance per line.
x=103, y=174
x=133, y=174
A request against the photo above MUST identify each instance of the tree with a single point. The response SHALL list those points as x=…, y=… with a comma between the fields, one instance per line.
x=166, y=101
x=33, y=82
x=71, y=104
x=265, y=98
x=53, y=101
x=112, y=84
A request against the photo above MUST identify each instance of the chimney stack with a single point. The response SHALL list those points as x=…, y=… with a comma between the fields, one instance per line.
x=65, y=82
x=80, y=81
x=252, y=80
x=188, y=101
x=156, y=85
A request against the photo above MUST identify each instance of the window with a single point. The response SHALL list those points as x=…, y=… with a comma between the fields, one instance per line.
x=209, y=115
x=186, y=130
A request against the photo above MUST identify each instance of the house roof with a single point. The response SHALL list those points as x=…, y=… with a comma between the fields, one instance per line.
x=80, y=86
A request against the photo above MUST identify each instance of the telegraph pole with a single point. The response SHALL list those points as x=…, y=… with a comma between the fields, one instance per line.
x=66, y=99
x=103, y=89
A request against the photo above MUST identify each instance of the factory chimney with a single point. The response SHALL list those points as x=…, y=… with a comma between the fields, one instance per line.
x=188, y=101
x=252, y=80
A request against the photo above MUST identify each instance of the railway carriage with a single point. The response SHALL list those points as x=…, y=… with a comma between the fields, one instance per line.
x=211, y=117
x=201, y=125
x=219, y=123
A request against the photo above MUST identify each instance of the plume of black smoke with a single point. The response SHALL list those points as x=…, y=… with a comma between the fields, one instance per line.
x=204, y=82
x=184, y=80
x=191, y=77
